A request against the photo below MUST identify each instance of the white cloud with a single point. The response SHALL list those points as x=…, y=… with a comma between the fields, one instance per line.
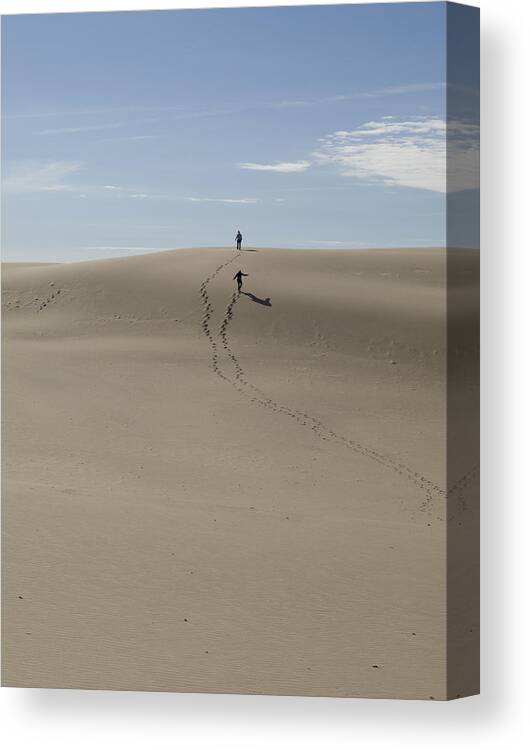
x=409, y=153
x=132, y=192
x=282, y=166
x=182, y=112
x=126, y=138
x=80, y=129
x=39, y=176
x=224, y=200
x=51, y=176
x=407, y=88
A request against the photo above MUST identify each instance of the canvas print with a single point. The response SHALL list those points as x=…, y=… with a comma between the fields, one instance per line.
x=240, y=300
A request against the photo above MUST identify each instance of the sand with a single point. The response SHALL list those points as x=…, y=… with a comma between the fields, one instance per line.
x=212, y=493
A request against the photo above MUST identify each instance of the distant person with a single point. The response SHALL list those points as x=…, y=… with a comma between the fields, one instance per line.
x=238, y=239
x=239, y=276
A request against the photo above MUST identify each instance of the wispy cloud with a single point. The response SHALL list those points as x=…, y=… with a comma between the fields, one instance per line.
x=402, y=90
x=39, y=176
x=53, y=176
x=181, y=112
x=381, y=93
x=78, y=112
x=224, y=200
x=80, y=129
x=385, y=92
x=126, y=138
x=408, y=153
x=417, y=152
x=130, y=192
x=281, y=166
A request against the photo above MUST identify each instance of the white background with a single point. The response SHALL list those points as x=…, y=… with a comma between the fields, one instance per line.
x=499, y=717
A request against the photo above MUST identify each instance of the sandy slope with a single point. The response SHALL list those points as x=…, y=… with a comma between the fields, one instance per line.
x=205, y=492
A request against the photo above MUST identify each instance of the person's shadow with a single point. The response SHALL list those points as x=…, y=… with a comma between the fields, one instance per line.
x=266, y=302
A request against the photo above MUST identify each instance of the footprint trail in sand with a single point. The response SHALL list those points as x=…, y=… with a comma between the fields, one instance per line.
x=256, y=396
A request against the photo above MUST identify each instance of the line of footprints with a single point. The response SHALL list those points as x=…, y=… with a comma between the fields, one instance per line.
x=52, y=297
x=241, y=383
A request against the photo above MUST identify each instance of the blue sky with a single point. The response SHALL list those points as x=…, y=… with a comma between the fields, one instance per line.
x=302, y=126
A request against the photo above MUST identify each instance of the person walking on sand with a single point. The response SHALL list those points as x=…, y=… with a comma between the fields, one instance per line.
x=238, y=239
x=239, y=276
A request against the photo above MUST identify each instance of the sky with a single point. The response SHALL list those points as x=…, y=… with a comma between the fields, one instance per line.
x=309, y=126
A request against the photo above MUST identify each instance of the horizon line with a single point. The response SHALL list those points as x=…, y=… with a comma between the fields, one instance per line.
x=253, y=248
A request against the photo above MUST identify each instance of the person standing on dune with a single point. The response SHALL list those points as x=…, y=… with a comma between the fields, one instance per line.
x=238, y=239
x=239, y=276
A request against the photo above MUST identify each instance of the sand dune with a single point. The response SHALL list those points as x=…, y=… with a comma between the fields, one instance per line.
x=206, y=491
